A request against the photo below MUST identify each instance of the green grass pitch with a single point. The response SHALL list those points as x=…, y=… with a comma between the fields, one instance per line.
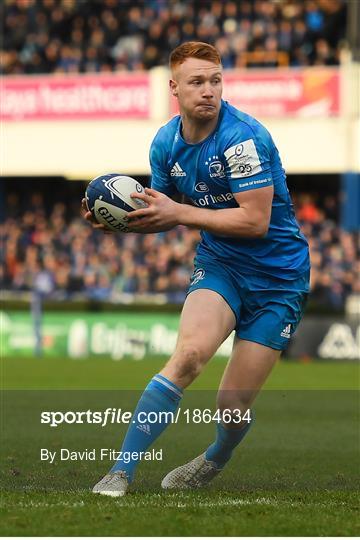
x=295, y=474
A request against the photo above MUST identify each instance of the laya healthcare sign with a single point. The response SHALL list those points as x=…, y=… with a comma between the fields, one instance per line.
x=75, y=97
x=280, y=93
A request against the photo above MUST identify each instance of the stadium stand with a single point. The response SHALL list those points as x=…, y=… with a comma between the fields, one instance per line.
x=78, y=264
x=67, y=36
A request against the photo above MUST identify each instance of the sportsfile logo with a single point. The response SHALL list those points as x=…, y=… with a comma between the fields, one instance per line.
x=177, y=170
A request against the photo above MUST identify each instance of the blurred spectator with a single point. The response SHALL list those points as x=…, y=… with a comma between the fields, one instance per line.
x=44, y=36
x=307, y=210
x=80, y=261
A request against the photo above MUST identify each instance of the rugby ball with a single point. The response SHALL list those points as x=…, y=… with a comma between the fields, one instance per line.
x=108, y=198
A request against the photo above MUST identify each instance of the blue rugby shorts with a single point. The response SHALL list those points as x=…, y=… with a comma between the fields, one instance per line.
x=267, y=310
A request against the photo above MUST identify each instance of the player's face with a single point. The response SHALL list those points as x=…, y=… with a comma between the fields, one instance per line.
x=198, y=86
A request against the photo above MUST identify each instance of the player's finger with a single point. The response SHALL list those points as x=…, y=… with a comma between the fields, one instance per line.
x=136, y=214
x=89, y=217
x=141, y=196
x=135, y=227
x=84, y=205
x=139, y=225
x=152, y=192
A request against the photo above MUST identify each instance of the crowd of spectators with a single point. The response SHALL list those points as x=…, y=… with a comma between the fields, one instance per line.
x=82, y=263
x=334, y=253
x=72, y=36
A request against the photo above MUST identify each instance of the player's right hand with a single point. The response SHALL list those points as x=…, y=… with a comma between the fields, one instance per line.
x=90, y=218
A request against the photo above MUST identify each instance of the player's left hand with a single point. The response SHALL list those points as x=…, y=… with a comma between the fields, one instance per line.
x=85, y=212
x=159, y=215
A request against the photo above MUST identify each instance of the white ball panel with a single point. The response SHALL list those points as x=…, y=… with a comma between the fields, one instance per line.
x=122, y=187
x=111, y=216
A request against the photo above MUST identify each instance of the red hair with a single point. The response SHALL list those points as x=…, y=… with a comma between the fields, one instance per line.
x=194, y=49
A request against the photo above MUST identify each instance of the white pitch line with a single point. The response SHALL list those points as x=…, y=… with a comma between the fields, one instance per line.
x=177, y=504
x=43, y=505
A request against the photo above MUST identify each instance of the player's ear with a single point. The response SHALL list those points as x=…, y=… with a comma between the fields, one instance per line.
x=173, y=87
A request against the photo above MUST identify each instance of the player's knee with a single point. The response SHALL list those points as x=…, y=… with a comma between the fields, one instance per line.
x=188, y=361
x=233, y=401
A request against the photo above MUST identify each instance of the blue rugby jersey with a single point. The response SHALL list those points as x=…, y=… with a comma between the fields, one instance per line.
x=237, y=156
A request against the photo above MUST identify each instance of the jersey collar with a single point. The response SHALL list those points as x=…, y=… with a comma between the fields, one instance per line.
x=212, y=134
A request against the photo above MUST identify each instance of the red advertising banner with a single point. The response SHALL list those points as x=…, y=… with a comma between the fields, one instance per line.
x=75, y=97
x=309, y=92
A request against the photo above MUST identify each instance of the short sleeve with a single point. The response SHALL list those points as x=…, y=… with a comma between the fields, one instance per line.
x=160, y=178
x=247, y=161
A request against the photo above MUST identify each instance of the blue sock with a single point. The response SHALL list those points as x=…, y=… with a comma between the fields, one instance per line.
x=226, y=440
x=159, y=395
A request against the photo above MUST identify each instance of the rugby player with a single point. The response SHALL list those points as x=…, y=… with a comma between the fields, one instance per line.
x=251, y=266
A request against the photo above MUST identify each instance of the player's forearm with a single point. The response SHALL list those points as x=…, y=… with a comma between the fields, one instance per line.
x=225, y=222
